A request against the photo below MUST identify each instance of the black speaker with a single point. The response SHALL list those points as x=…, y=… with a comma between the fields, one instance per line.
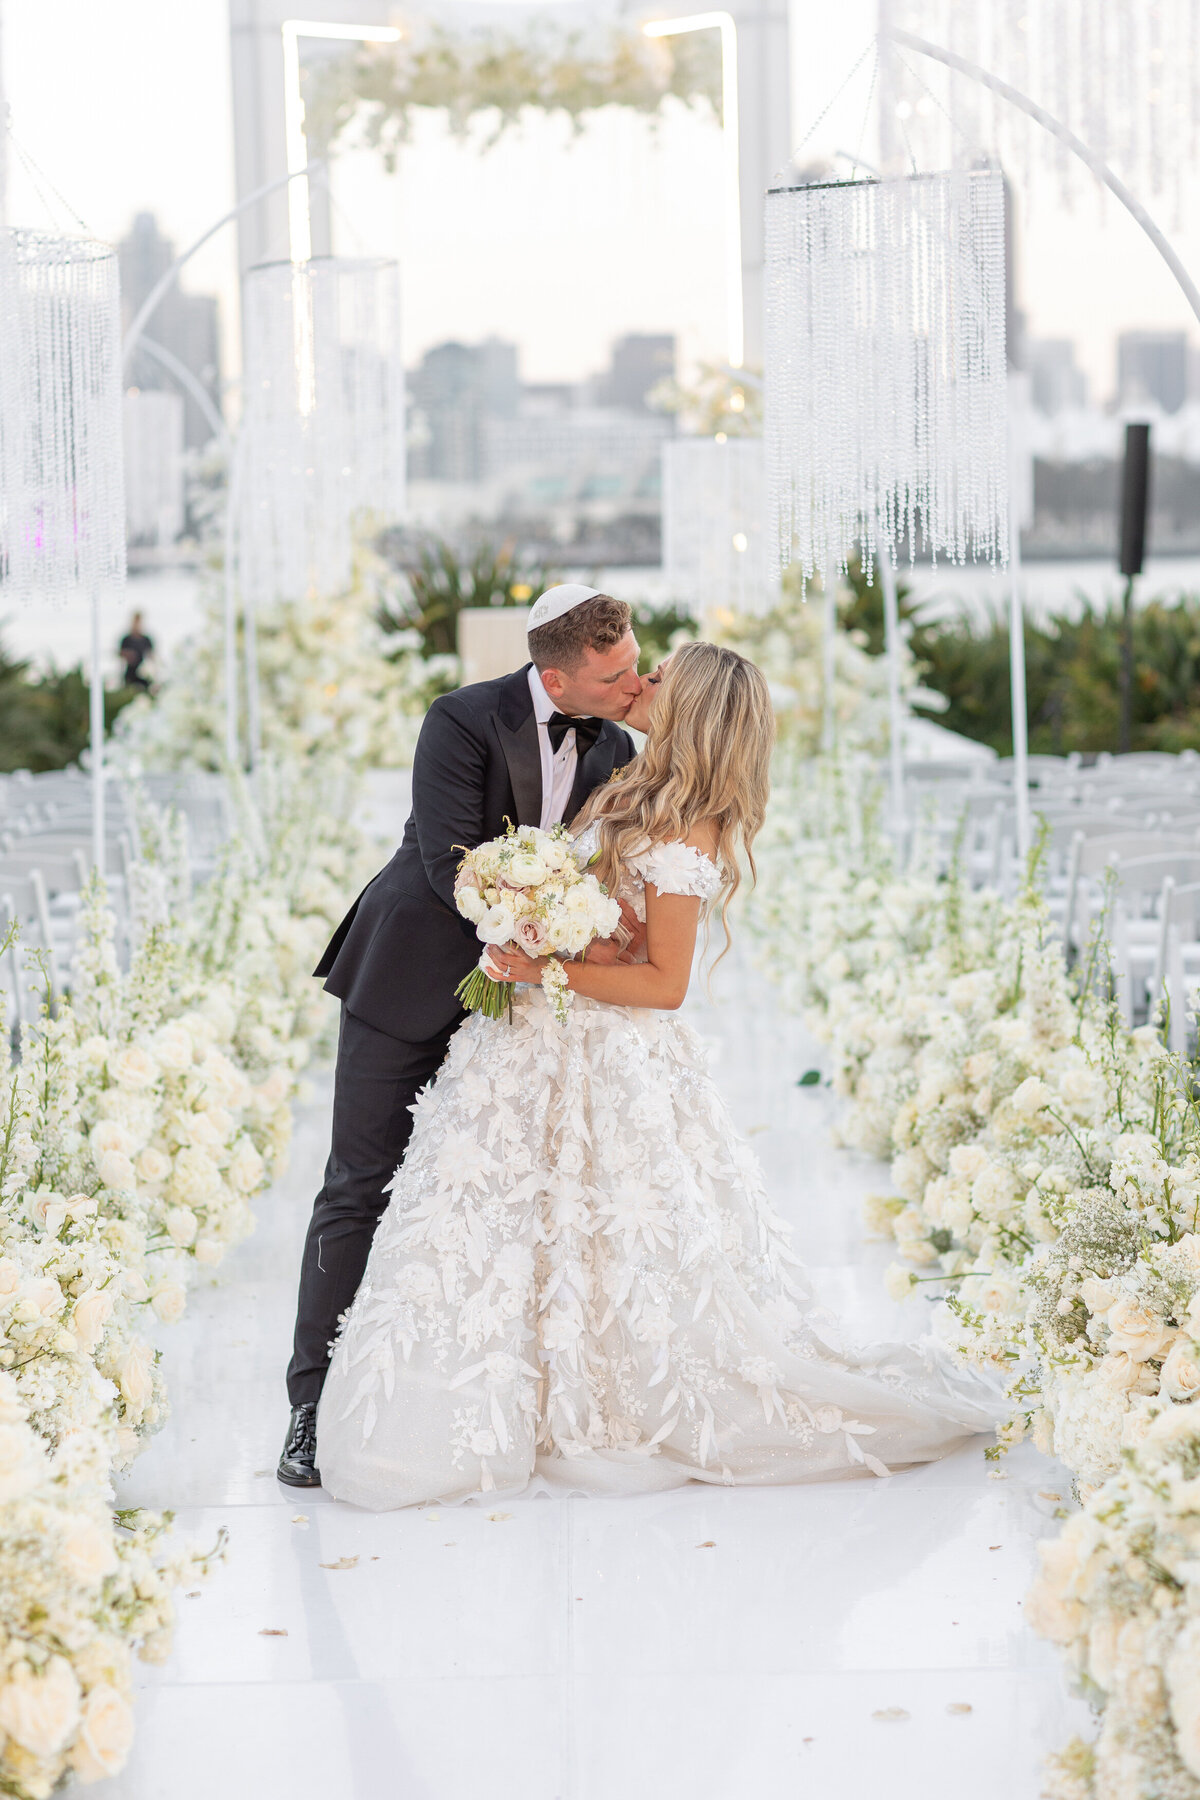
x=1135, y=498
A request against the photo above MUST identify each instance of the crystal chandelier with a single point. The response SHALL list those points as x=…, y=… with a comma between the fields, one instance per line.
x=1124, y=75
x=62, y=504
x=714, y=515
x=323, y=439
x=885, y=404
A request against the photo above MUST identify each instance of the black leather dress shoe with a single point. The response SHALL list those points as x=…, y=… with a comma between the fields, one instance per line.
x=298, y=1464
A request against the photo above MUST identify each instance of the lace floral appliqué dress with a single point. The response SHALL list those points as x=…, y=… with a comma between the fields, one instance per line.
x=579, y=1280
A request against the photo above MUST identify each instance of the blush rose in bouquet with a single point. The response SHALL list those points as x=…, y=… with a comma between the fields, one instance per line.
x=527, y=889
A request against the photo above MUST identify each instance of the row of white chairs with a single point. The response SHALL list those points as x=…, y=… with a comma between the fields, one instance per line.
x=46, y=858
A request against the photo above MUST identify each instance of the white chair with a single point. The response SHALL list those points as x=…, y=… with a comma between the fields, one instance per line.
x=1136, y=925
x=1175, y=978
x=1091, y=855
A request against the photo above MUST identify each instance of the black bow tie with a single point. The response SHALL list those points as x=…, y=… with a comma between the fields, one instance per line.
x=586, y=732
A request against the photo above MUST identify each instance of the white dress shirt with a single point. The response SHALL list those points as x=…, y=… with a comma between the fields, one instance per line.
x=558, y=768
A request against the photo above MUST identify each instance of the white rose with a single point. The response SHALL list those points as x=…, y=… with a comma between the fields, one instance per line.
x=1000, y=1294
x=1031, y=1097
x=168, y=1300
x=181, y=1226
x=135, y=1375
x=133, y=1285
x=22, y=1462
x=10, y=1275
x=195, y=1176
x=152, y=1165
x=246, y=1167
x=89, y=1315
x=108, y=1136
x=42, y=1296
x=94, y=1050
x=1135, y=1329
x=899, y=1281
x=86, y=1551
x=526, y=870
x=132, y=1066
x=174, y=1048
x=105, y=1735
x=116, y=1171
x=209, y=1252
x=1078, y=1087
x=1180, y=1378
x=1097, y=1295
x=40, y=1712
x=497, y=925
x=471, y=904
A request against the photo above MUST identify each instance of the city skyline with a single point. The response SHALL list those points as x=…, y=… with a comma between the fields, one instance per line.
x=620, y=235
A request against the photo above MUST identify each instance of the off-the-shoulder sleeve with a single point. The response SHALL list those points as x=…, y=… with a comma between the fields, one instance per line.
x=679, y=868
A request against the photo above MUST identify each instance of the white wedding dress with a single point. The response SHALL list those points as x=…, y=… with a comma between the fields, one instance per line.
x=579, y=1283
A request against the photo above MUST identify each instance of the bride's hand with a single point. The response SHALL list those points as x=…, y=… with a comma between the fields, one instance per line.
x=507, y=963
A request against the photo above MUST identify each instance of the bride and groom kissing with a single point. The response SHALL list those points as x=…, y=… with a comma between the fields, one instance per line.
x=542, y=1256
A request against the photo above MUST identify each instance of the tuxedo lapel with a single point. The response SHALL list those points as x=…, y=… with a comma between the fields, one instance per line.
x=516, y=728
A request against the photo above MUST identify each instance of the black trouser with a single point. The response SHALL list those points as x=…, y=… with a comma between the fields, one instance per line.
x=376, y=1081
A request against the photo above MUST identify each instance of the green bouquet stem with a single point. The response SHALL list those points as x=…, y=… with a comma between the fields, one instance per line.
x=479, y=993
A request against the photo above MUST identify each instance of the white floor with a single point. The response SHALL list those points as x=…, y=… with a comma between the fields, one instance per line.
x=706, y=1643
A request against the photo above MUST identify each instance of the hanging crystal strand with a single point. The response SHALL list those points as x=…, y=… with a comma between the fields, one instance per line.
x=324, y=423
x=885, y=390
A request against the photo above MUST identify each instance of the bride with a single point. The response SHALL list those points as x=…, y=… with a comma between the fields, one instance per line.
x=579, y=1280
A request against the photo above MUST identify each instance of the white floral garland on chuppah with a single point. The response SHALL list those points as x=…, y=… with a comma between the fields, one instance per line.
x=1046, y=1167
x=138, y=1124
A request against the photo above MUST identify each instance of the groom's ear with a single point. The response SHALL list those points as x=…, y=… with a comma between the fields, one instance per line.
x=552, y=681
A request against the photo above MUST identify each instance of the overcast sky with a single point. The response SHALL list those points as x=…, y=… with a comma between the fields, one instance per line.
x=560, y=243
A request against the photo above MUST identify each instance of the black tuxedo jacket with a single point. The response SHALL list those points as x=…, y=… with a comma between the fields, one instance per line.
x=402, y=949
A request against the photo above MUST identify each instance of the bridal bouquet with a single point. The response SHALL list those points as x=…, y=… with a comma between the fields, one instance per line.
x=526, y=889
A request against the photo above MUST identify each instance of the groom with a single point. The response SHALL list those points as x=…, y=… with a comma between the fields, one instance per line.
x=529, y=747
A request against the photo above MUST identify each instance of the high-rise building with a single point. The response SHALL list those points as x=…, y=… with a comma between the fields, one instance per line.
x=183, y=327
x=639, y=361
x=1058, y=383
x=1152, y=365
x=456, y=388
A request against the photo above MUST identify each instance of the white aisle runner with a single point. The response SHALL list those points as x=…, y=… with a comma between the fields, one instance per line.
x=704, y=1644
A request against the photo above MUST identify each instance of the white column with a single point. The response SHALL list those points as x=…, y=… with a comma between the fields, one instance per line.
x=765, y=140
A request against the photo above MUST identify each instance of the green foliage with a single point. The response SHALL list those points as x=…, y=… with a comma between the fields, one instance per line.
x=863, y=612
x=500, y=72
x=658, y=629
x=44, y=721
x=1071, y=677
x=442, y=581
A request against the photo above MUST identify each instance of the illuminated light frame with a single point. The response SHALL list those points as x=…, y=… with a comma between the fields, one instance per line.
x=299, y=211
x=725, y=24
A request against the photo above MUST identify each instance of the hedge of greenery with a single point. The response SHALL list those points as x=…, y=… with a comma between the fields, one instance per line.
x=44, y=718
x=1071, y=672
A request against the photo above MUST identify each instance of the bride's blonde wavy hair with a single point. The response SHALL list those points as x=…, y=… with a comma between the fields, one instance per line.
x=707, y=757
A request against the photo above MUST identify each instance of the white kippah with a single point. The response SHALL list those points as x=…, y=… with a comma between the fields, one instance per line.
x=559, y=600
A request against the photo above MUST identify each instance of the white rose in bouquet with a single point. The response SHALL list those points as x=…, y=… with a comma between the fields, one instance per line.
x=40, y=1712
x=105, y=1734
x=86, y=1550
